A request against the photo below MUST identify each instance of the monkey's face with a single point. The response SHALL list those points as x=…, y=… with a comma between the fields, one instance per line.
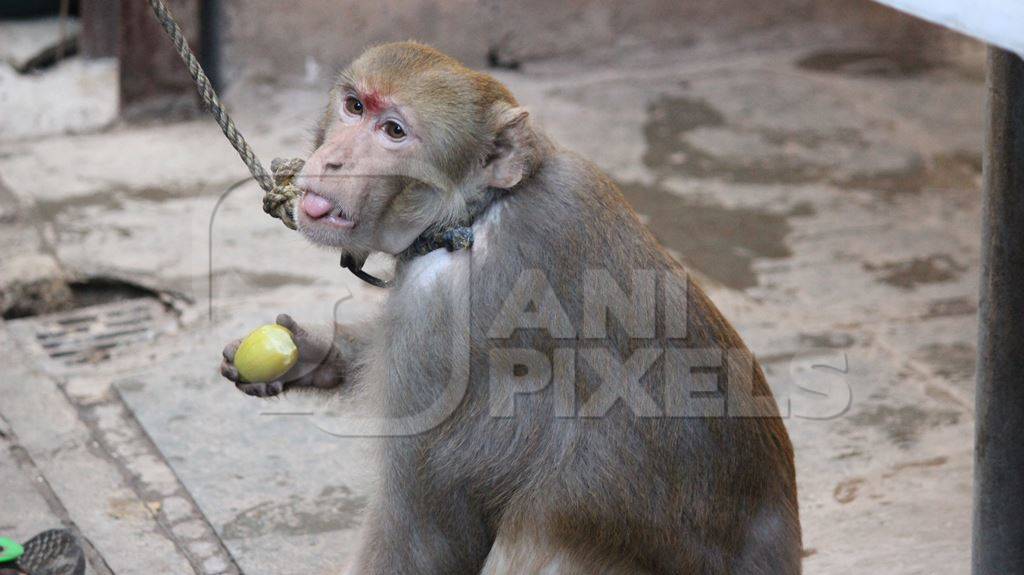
x=408, y=136
x=367, y=186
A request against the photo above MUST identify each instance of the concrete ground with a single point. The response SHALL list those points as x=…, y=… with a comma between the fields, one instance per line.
x=825, y=192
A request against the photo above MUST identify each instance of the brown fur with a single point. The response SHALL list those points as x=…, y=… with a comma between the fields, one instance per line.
x=535, y=492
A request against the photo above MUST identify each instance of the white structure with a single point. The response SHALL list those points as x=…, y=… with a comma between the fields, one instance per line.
x=996, y=22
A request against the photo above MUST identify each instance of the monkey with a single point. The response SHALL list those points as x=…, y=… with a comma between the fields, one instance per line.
x=598, y=413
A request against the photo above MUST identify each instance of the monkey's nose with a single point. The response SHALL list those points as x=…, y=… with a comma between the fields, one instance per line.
x=333, y=165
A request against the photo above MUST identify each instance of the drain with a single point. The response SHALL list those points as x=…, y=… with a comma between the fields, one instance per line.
x=94, y=334
x=34, y=297
x=54, y=295
x=96, y=291
x=104, y=317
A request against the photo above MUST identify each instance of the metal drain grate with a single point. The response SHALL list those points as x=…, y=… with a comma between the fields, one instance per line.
x=93, y=334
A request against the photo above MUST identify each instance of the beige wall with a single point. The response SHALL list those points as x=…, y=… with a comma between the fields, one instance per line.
x=267, y=38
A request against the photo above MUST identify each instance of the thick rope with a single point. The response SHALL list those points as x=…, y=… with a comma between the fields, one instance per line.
x=280, y=195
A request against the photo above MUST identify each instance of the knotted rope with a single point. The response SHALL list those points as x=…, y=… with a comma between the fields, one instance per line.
x=280, y=196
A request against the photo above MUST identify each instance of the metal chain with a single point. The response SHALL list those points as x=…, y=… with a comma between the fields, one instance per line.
x=280, y=195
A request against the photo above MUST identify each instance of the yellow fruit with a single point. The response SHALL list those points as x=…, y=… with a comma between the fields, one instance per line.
x=266, y=354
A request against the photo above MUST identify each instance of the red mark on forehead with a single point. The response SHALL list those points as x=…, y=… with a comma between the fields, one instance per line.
x=373, y=102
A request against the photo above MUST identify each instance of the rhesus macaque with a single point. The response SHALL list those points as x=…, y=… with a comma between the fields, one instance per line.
x=599, y=415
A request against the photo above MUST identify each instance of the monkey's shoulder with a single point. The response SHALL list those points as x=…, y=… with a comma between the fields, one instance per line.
x=573, y=213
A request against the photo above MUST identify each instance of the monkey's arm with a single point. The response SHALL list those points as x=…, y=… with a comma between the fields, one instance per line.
x=324, y=361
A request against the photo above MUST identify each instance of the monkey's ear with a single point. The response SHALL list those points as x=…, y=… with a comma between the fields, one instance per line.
x=510, y=161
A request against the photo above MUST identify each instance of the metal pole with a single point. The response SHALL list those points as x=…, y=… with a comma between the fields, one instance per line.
x=999, y=405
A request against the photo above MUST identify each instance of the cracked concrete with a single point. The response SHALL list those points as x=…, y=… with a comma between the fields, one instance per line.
x=826, y=194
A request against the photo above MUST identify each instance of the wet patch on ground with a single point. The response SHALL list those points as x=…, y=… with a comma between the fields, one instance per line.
x=919, y=464
x=114, y=199
x=265, y=280
x=48, y=210
x=846, y=491
x=721, y=243
x=910, y=274
x=903, y=425
x=669, y=150
x=334, y=509
x=950, y=307
x=827, y=340
x=953, y=361
x=690, y=137
x=673, y=115
x=951, y=171
x=867, y=63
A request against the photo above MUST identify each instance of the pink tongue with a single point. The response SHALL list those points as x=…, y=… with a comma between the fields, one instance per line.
x=315, y=206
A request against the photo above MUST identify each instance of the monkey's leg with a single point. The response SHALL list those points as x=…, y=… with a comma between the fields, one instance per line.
x=323, y=361
x=772, y=544
x=517, y=551
x=418, y=526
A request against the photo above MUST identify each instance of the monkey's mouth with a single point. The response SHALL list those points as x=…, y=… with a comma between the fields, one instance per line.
x=320, y=209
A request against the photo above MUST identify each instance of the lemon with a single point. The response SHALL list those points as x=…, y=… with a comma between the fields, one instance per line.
x=266, y=354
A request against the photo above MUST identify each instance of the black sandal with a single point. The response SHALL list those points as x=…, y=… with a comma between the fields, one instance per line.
x=53, y=552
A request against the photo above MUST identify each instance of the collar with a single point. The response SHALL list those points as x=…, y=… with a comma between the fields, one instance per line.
x=452, y=237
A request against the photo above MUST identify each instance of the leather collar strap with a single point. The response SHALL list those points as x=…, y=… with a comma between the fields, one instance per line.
x=451, y=237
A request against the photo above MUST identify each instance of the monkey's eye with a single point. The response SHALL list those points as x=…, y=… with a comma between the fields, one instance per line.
x=394, y=130
x=353, y=106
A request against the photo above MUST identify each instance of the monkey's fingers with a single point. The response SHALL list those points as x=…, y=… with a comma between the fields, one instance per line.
x=261, y=389
x=231, y=349
x=315, y=367
x=303, y=338
x=313, y=347
x=230, y=372
x=286, y=321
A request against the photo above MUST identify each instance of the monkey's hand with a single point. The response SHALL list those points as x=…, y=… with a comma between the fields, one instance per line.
x=321, y=363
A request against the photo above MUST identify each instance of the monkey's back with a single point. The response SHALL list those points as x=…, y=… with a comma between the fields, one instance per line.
x=659, y=491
